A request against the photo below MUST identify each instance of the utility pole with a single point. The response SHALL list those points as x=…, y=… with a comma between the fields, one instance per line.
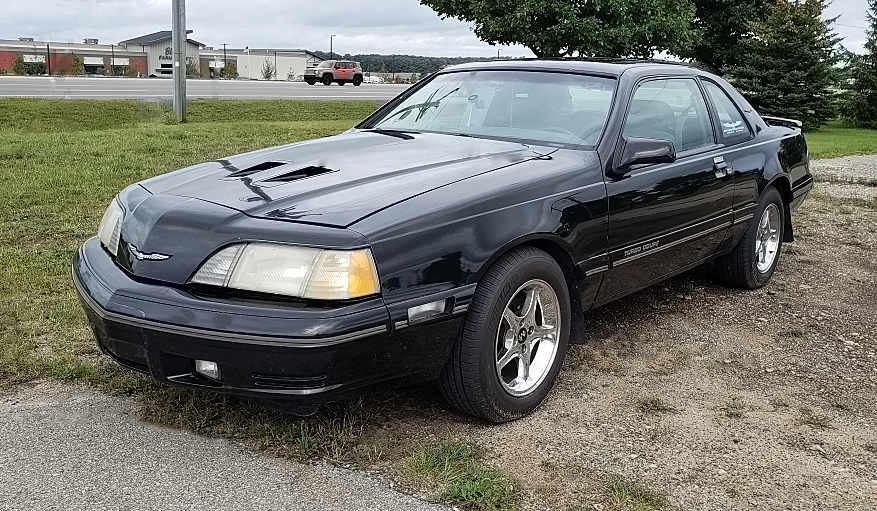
x=224, y=60
x=48, y=60
x=331, y=55
x=112, y=60
x=249, y=74
x=178, y=41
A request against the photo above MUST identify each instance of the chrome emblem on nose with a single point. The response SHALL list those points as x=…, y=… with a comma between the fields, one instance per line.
x=142, y=256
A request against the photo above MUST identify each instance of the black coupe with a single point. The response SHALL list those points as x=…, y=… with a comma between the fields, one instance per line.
x=460, y=233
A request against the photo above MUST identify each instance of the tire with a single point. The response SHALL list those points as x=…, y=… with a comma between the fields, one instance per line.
x=341, y=82
x=752, y=262
x=357, y=81
x=327, y=79
x=310, y=82
x=475, y=379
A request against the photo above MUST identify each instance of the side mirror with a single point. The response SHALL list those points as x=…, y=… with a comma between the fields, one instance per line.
x=644, y=151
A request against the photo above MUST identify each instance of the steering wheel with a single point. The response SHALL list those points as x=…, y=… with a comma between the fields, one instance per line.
x=593, y=131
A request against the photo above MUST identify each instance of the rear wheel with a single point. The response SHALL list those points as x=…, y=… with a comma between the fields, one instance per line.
x=357, y=81
x=753, y=261
x=327, y=79
x=513, y=340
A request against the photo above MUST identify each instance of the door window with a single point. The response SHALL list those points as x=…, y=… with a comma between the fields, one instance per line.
x=672, y=110
x=734, y=127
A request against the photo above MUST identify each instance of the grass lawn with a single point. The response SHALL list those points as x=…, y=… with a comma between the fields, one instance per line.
x=61, y=162
x=837, y=139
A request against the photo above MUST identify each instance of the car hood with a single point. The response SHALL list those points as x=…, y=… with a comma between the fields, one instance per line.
x=339, y=180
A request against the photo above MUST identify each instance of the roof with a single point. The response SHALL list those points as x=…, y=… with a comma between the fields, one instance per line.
x=157, y=37
x=607, y=67
x=265, y=51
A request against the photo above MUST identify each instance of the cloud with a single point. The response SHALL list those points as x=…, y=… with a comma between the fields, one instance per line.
x=383, y=26
x=386, y=26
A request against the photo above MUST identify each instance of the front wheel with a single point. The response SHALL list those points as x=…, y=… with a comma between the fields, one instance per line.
x=753, y=261
x=513, y=340
x=327, y=80
x=310, y=82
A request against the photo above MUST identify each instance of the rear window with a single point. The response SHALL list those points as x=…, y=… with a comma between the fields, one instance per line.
x=733, y=126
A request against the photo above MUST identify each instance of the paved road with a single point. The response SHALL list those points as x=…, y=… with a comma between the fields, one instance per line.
x=70, y=448
x=145, y=88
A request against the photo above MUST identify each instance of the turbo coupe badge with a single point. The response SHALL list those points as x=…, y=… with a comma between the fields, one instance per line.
x=141, y=256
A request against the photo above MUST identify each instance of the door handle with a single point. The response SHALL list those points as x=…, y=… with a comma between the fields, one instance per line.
x=720, y=167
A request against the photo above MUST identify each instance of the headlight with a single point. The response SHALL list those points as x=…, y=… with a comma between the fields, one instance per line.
x=110, y=227
x=292, y=271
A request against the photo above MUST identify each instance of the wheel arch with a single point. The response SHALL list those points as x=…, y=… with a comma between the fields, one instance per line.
x=560, y=251
x=784, y=186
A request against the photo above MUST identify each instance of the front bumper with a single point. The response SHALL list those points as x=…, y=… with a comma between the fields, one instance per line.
x=283, y=354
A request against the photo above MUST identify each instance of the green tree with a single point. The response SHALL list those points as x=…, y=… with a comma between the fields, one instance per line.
x=561, y=28
x=193, y=70
x=724, y=27
x=229, y=71
x=787, y=68
x=268, y=70
x=19, y=67
x=861, y=107
x=77, y=66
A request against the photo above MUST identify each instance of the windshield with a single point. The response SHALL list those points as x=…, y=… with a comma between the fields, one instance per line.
x=327, y=63
x=531, y=107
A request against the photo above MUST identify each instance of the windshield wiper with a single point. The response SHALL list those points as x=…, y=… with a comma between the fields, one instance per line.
x=421, y=107
x=392, y=133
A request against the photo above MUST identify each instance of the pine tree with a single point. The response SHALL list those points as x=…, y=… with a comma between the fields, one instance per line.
x=787, y=69
x=862, y=105
x=77, y=66
x=724, y=27
x=19, y=67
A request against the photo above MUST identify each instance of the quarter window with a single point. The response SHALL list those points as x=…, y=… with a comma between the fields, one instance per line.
x=734, y=127
x=672, y=110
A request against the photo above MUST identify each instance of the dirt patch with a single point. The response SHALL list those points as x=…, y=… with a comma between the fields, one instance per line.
x=768, y=398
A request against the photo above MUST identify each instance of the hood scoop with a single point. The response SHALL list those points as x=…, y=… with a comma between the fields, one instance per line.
x=310, y=171
x=266, y=165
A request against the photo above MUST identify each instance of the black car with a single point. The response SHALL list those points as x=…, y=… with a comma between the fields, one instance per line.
x=460, y=233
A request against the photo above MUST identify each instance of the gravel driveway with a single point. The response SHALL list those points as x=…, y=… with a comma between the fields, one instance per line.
x=716, y=398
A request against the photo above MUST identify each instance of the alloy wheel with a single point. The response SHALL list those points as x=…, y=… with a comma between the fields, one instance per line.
x=527, y=338
x=767, y=241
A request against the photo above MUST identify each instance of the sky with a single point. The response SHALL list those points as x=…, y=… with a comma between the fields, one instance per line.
x=376, y=26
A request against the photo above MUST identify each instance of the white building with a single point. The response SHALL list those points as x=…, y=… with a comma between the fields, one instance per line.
x=289, y=64
x=160, y=53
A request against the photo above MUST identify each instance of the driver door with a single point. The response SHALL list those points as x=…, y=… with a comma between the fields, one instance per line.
x=665, y=218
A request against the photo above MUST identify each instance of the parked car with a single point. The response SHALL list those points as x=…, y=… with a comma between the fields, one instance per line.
x=460, y=233
x=338, y=71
